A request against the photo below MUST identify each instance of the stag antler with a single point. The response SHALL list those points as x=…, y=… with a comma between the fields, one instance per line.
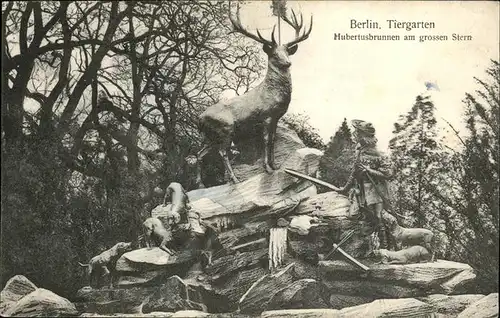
x=294, y=23
x=238, y=27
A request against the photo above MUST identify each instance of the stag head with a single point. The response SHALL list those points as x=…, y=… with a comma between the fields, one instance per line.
x=278, y=54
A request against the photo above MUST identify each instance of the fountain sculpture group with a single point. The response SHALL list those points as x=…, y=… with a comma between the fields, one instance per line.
x=267, y=234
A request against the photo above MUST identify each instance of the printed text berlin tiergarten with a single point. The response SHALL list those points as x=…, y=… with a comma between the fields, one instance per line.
x=392, y=24
x=395, y=24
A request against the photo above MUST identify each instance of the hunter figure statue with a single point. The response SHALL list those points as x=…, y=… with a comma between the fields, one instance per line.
x=368, y=179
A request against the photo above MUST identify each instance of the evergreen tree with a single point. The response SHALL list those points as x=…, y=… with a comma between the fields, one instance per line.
x=340, y=141
x=414, y=150
x=307, y=133
x=336, y=163
x=470, y=193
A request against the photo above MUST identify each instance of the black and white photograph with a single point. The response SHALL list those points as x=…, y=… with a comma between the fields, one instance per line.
x=270, y=158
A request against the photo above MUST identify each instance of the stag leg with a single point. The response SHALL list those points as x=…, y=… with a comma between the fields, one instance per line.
x=163, y=246
x=227, y=164
x=272, y=138
x=147, y=237
x=267, y=135
x=379, y=225
x=94, y=278
x=199, y=157
x=104, y=274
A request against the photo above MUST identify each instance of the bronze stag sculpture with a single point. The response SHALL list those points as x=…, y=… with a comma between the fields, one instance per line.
x=264, y=105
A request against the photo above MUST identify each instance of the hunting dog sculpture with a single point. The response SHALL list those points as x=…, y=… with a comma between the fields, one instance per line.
x=104, y=264
x=155, y=233
x=262, y=106
x=413, y=254
x=409, y=236
x=176, y=194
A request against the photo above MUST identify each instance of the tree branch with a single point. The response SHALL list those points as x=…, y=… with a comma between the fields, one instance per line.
x=92, y=68
x=47, y=107
x=23, y=29
x=85, y=15
x=121, y=113
x=37, y=14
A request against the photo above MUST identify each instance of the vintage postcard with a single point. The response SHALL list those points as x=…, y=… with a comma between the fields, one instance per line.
x=274, y=158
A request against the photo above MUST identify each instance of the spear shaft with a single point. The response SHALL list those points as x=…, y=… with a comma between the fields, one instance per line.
x=317, y=181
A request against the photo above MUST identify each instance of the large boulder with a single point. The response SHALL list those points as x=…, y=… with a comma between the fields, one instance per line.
x=230, y=289
x=108, y=301
x=256, y=199
x=144, y=279
x=248, y=231
x=404, y=307
x=486, y=307
x=174, y=295
x=190, y=314
x=389, y=281
x=335, y=219
x=261, y=292
x=151, y=258
x=42, y=302
x=450, y=306
x=301, y=294
x=302, y=313
x=250, y=161
x=259, y=195
x=16, y=288
x=339, y=301
x=232, y=275
x=224, y=266
x=327, y=205
x=151, y=266
x=120, y=314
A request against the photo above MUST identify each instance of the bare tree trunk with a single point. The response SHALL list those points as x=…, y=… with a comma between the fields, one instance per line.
x=46, y=110
x=92, y=68
x=133, y=131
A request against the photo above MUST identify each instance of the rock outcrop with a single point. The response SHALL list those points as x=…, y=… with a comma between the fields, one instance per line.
x=450, y=306
x=259, y=195
x=390, y=281
x=430, y=306
x=168, y=295
x=405, y=307
x=21, y=298
x=303, y=293
x=276, y=236
x=174, y=295
x=257, y=297
x=486, y=307
x=16, y=288
x=302, y=313
x=108, y=301
x=250, y=161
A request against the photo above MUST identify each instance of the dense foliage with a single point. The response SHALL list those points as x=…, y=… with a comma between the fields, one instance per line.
x=454, y=192
x=307, y=133
x=467, y=199
x=336, y=164
x=414, y=150
x=99, y=107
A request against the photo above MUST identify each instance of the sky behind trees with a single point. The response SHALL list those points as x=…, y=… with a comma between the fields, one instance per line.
x=378, y=81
